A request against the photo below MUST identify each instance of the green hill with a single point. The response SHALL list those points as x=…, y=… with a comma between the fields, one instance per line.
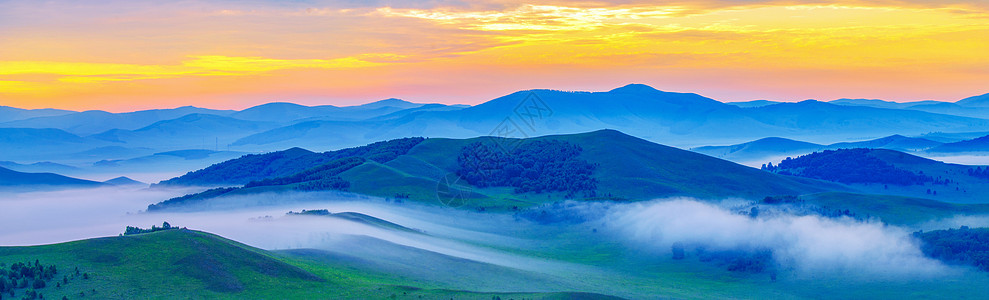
x=601, y=165
x=883, y=171
x=180, y=264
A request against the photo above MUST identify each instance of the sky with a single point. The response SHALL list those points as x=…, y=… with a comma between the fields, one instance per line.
x=128, y=55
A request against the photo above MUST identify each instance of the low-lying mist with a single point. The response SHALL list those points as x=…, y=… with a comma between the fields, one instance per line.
x=261, y=221
x=809, y=245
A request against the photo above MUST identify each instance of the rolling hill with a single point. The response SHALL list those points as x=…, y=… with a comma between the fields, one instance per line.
x=625, y=168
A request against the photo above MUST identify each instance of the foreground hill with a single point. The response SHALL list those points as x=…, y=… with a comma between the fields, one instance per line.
x=184, y=263
x=604, y=164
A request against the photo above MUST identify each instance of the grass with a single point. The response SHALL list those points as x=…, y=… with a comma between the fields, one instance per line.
x=180, y=264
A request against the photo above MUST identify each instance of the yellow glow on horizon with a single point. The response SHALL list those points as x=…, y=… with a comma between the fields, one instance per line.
x=332, y=50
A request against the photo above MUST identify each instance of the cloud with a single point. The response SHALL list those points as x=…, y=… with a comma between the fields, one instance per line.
x=809, y=244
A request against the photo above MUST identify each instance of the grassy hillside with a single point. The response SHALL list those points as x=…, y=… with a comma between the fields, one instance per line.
x=895, y=210
x=178, y=264
x=625, y=168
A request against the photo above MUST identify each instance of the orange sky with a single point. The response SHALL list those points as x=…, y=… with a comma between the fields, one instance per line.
x=128, y=55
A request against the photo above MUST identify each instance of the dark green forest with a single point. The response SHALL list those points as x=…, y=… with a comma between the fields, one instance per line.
x=963, y=246
x=847, y=166
x=534, y=166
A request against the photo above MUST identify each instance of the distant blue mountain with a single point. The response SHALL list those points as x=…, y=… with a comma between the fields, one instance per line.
x=893, y=142
x=640, y=110
x=774, y=148
x=753, y=103
x=190, y=131
x=975, y=101
x=124, y=181
x=96, y=121
x=11, y=178
x=287, y=112
x=39, y=167
x=635, y=109
x=877, y=103
x=759, y=149
x=980, y=144
x=8, y=113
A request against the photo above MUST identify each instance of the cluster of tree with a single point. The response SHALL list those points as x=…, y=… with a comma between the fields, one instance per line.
x=313, y=212
x=847, y=166
x=331, y=169
x=748, y=261
x=533, y=166
x=782, y=199
x=137, y=230
x=254, y=167
x=966, y=246
x=979, y=172
x=800, y=203
x=26, y=275
x=380, y=152
x=334, y=183
x=210, y=193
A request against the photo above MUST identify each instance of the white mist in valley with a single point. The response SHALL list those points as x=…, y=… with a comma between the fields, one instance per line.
x=808, y=244
x=260, y=220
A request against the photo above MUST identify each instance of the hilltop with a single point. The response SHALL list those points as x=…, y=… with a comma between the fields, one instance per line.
x=615, y=166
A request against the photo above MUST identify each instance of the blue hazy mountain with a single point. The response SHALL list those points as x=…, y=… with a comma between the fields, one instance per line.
x=980, y=144
x=680, y=119
x=96, y=121
x=815, y=118
x=975, y=101
x=8, y=113
x=976, y=107
x=877, y=103
x=753, y=103
x=124, y=181
x=285, y=112
x=39, y=167
x=35, y=144
x=201, y=131
x=11, y=178
x=635, y=109
x=893, y=142
x=774, y=148
x=759, y=149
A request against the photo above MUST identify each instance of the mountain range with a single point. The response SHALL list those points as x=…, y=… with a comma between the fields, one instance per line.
x=676, y=119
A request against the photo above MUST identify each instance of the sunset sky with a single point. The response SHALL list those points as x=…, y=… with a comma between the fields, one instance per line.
x=128, y=55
